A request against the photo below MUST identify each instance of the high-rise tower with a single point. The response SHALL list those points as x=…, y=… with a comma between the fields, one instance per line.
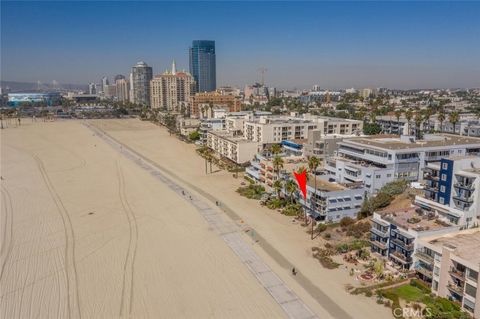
x=203, y=65
x=140, y=83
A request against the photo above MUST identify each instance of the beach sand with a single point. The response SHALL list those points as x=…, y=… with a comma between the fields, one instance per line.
x=87, y=233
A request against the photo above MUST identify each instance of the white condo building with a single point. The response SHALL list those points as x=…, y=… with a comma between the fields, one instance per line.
x=379, y=160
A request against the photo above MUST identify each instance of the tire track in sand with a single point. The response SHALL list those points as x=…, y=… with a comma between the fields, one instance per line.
x=73, y=304
x=7, y=231
x=126, y=303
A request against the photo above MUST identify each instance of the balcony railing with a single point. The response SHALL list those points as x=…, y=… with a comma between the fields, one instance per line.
x=463, y=199
x=455, y=288
x=423, y=256
x=457, y=274
x=402, y=244
x=400, y=257
x=379, y=244
x=430, y=177
x=424, y=271
x=465, y=186
x=379, y=232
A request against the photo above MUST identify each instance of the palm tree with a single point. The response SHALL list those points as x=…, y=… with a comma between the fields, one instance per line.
x=277, y=186
x=277, y=165
x=313, y=163
x=426, y=117
x=290, y=187
x=276, y=149
x=441, y=119
x=418, y=122
x=373, y=117
x=409, y=116
x=454, y=117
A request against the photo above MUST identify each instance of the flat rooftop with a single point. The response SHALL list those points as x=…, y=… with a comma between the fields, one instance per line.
x=230, y=136
x=326, y=186
x=437, y=140
x=409, y=219
x=466, y=244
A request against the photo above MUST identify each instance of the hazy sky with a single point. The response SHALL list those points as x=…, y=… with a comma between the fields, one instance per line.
x=333, y=44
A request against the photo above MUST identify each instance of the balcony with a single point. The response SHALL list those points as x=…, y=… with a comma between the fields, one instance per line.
x=463, y=199
x=431, y=188
x=429, y=176
x=423, y=256
x=401, y=257
x=455, y=288
x=378, y=232
x=252, y=172
x=424, y=271
x=457, y=274
x=255, y=164
x=402, y=244
x=470, y=187
x=379, y=244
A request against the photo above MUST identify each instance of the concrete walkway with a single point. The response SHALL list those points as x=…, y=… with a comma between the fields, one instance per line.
x=225, y=228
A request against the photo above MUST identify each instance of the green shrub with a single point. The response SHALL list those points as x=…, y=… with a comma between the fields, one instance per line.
x=251, y=191
x=395, y=187
x=346, y=221
x=276, y=203
x=321, y=228
x=420, y=285
x=381, y=200
x=292, y=210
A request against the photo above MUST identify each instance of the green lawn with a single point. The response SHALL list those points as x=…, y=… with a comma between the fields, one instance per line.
x=409, y=293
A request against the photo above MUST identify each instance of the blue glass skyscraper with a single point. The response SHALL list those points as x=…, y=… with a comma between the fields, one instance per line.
x=203, y=65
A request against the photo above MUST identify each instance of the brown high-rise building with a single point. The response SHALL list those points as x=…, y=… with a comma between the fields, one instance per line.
x=215, y=98
x=171, y=90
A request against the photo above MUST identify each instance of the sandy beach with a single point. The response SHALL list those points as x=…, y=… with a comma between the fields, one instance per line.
x=87, y=233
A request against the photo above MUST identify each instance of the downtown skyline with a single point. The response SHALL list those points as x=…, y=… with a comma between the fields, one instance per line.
x=334, y=45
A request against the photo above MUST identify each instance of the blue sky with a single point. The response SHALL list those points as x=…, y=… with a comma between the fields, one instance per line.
x=333, y=44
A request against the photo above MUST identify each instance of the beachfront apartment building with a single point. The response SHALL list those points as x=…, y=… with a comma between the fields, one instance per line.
x=450, y=264
x=394, y=234
x=326, y=202
x=452, y=189
x=323, y=145
x=262, y=171
x=275, y=129
x=379, y=160
x=234, y=147
x=234, y=121
x=330, y=202
x=207, y=125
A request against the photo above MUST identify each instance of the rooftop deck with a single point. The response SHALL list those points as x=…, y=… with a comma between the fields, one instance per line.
x=437, y=140
x=465, y=243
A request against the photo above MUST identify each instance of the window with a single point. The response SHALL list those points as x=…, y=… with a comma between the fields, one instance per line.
x=444, y=177
x=442, y=200
x=473, y=275
x=378, y=176
x=470, y=290
x=445, y=166
x=442, y=188
x=435, y=285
